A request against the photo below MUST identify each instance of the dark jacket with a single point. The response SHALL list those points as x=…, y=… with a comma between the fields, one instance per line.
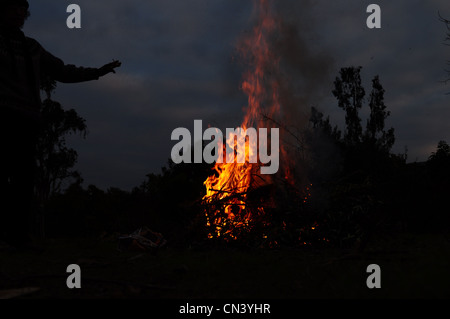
x=23, y=64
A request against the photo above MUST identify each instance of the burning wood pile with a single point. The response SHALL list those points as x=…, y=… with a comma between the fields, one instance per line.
x=238, y=203
x=239, y=200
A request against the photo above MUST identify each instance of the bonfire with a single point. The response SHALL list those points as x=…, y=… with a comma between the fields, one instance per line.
x=238, y=197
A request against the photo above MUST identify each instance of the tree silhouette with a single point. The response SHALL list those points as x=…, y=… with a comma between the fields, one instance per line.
x=439, y=163
x=352, y=171
x=442, y=153
x=350, y=93
x=54, y=159
x=325, y=125
x=375, y=134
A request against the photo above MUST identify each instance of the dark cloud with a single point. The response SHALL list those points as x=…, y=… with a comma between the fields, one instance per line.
x=408, y=55
x=178, y=65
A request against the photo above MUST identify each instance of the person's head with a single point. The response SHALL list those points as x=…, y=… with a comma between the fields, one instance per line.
x=13, y=13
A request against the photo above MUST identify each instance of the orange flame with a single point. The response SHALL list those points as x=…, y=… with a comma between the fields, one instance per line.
x=227, y=190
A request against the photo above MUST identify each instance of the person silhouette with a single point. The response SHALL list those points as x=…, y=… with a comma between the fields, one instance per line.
x=23, y=64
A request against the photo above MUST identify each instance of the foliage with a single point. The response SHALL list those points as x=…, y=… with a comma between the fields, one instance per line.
x=439, y=164
x=54, y=159
x=78, y=212
x=167, y=202
x=359, y=189
x=350, y=93
x=442, y=154
x=358, y=163
x=375, y=136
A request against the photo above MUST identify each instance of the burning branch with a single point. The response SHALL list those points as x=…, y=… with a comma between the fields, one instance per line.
x=238, y=199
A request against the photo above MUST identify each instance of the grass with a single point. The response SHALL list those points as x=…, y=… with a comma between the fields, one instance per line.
x=412, y=266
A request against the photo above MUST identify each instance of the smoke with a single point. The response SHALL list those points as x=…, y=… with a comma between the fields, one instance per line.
x=305, y=69
x=287, y=74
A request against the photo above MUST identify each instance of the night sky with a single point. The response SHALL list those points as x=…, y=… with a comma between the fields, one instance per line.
x=178, y=65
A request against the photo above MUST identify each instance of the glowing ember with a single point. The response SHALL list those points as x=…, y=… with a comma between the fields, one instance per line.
x=238, y=198
x=229, y=211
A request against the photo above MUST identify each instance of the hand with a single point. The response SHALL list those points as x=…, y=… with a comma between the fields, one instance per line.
x=108, y=68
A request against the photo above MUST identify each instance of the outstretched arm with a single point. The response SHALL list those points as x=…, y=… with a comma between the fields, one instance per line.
x=109, y=68
x=74, y=74
x=57, y=70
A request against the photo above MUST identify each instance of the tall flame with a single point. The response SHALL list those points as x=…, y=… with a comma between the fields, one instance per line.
x=227, y=191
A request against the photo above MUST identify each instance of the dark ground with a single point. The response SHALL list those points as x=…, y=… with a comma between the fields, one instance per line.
x=412, y=266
